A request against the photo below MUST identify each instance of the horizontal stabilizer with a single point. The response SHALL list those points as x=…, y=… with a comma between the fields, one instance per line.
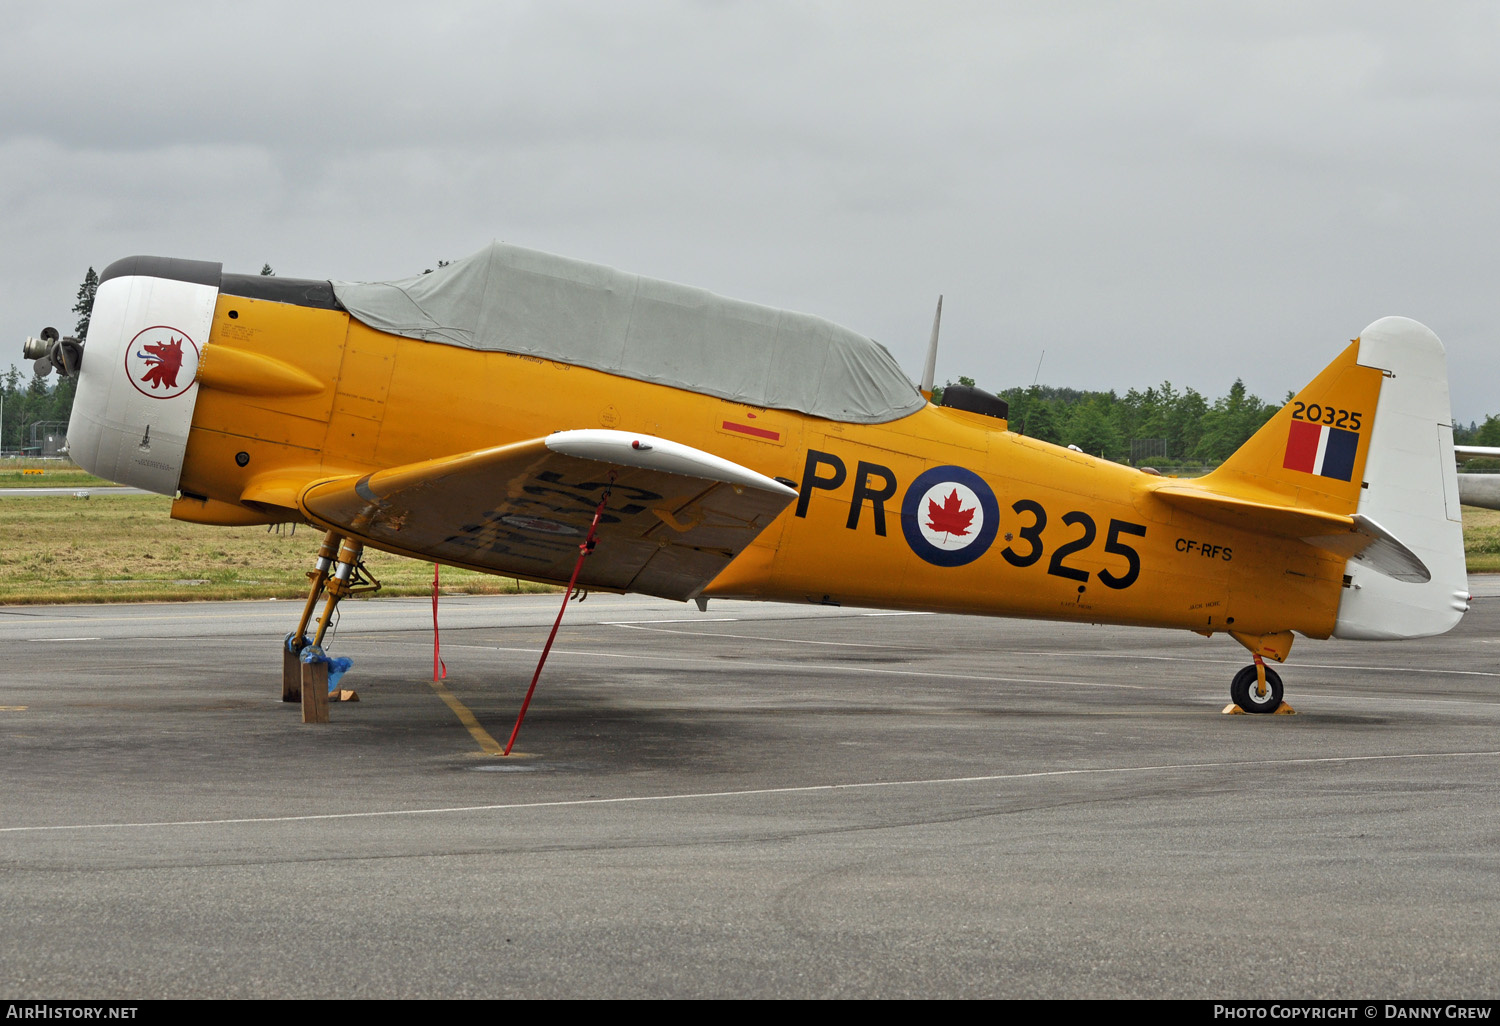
x=1353, y=537
x=674, y=518
x=1380, y=550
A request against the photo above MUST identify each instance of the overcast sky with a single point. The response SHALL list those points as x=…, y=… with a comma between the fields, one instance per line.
x=1190, y=192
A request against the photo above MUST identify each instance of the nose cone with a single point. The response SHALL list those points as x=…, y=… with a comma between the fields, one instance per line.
x=138, y=385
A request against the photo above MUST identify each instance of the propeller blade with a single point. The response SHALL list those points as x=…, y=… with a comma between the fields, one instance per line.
x=71, y=355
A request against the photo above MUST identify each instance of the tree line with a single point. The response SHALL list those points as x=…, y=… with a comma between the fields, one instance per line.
x=1160, y=426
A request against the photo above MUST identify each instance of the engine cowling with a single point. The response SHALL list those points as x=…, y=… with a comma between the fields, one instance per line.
x=138, y=384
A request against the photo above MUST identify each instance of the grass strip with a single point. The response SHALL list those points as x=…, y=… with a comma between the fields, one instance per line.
x=126, y=548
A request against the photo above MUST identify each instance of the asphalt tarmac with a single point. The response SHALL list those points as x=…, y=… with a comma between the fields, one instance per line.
x=756, y=801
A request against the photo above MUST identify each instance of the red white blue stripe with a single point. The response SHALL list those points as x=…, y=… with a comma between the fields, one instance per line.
x=1320, y=449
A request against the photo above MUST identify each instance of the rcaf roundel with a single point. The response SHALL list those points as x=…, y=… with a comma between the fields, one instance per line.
x=541, y=525
x=949, y=516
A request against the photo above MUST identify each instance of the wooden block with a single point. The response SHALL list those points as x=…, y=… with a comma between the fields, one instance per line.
x=291, y=676
x=314, y=692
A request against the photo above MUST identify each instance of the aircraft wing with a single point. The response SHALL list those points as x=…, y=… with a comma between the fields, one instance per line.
x=1476, y=452
x=675, y=516
x=1354, y=537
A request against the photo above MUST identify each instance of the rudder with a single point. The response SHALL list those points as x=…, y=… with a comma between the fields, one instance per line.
x=1411, y=489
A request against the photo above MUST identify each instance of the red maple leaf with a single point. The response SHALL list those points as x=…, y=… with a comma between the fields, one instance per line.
x=950, y=517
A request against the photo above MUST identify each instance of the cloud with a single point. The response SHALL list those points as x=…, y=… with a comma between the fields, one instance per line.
x=1146, y=191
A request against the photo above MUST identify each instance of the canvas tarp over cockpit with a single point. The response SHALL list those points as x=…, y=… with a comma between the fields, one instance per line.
x=514, y=300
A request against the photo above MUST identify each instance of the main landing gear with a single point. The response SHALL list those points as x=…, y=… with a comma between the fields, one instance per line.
x=304, y=666
x=1257, y=688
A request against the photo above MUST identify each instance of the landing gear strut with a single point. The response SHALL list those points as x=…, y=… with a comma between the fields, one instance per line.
x=307, y=680
x=295, y=642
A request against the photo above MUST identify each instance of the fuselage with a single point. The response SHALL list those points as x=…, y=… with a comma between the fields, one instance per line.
x=937, y=510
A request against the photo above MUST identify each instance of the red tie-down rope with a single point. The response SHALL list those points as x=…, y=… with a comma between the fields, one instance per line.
x=583, y=553
x=439, y=668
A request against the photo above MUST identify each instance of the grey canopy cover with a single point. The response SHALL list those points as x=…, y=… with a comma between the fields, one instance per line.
x=520, y=301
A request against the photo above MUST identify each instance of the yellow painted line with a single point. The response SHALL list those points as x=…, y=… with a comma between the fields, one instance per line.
x=487, y=743
x=12, y=708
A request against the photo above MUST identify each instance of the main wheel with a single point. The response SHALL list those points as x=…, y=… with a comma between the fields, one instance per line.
x=1242, y=691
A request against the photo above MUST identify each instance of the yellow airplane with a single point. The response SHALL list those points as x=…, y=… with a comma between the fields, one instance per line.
x=514, y=411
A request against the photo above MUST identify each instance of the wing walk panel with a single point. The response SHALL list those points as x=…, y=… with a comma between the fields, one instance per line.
x=675, y=517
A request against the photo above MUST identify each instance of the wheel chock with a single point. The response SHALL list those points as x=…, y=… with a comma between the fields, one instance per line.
x=343, y=695
x=291, y=676
x=1281, y=710
x=314, y=692
x=291, y=666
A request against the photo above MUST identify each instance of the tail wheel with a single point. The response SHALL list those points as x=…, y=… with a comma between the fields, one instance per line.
x=1242, y=691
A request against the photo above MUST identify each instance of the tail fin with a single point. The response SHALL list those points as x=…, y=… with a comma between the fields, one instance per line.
x=1370, y=439
x=1312, y=453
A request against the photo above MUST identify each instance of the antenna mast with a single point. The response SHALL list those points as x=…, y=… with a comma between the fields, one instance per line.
x=931, y=368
